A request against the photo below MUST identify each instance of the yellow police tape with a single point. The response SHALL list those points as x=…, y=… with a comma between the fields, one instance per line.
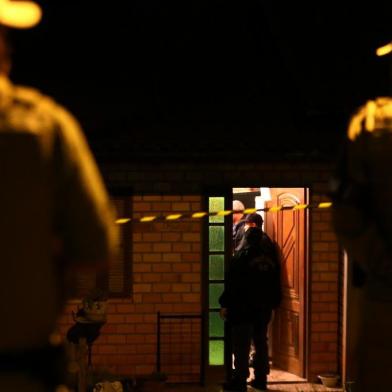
x=202, y=214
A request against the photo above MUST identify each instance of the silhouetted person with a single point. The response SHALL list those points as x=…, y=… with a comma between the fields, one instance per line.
x=362, y=194
x=252, y=291
x=238, y=223
x=55, y=219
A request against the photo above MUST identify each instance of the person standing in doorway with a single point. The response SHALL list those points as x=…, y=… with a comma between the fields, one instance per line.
x=238, y=223
x=56, y=219
x=252, y=291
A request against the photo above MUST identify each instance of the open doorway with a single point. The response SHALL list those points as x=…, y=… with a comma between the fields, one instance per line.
x=289, y=228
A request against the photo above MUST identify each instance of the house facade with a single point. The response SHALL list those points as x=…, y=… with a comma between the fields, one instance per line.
x=169, y=270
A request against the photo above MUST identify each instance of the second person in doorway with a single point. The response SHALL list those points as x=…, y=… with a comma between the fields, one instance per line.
x=252, y=291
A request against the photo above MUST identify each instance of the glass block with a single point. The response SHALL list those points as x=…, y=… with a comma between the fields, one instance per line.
x=216, y=204
x=216, y=325
x=216, y=352
x=217, y=267
x=215, y=290
x=216, y=238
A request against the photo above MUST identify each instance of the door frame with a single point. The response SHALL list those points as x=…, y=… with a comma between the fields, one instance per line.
x=212, y=373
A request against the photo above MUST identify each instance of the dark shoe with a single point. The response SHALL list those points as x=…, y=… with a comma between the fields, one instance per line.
x=234, y=386
x=261, y=385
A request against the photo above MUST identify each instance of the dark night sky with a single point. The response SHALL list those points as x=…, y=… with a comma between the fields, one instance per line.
x=142, y=68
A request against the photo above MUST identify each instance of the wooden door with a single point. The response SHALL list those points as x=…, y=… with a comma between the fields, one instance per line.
x=288, y=228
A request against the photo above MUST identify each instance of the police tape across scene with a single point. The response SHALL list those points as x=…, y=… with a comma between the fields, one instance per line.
x=202, y=214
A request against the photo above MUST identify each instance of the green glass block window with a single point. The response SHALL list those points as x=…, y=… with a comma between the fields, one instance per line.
x=216, y=204
x=216, y=326
x=217, y=238
x=216, y=290
x=216, y=350
x=216, y=276
x=216, y=267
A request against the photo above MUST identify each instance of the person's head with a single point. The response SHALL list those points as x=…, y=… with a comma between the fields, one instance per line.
x=237, y=206
x=15, y=15
x=253, y=220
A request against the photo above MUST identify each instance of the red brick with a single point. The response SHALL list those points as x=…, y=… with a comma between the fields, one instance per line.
x=161, y=288
x=328, y=236
x=320, y=266
x=191, y=257
x=135, y=339
x=116, y=339
x=192, y=278
x=171, y=278
x=145, y=369
x=115, y=318
x=320, y=327
x=182, y=247
x=151, y=198
x=152, y=257
x=324, y=357
x=136, y=237
x=152, y=237
x=146, y=328
x=161, y=207
x=184, y=308
x=151, y=277
x=328, y=316
x=167, y=298
x=196, y=288
x=142, y=288
x=162, y=247
x=320, y=246
x=144, y=308
x=328, y=297
x=107, y=349
x=141, y=267
x=125, y=328
x=152, y=298
x=150, y=318
x=181, y=206
x=141, y=207
x=329, y=276
x=181, y=287
x=192, y=298
x=191, y=198
x=173, y=257
x=196, y=267
x=181, y=267
x=134, y=318
x=328, y=337
x=321, y=226
x=162, y=267
x=146, y=349
x=127, y=349
x=317, y=287
x=196, y=247
x=125, y=308
x=171, y=237
x=320, y=307
x=142, y=247
x=191, y=237
x=164, y=308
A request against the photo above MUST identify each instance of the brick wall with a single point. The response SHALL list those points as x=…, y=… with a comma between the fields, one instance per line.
x=167, y=257
x=166, y=278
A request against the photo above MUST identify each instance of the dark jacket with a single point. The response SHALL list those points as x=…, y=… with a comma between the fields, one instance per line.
x=253, y=279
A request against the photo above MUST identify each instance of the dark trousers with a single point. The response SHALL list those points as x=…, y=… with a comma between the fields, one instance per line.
x=242, y=333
